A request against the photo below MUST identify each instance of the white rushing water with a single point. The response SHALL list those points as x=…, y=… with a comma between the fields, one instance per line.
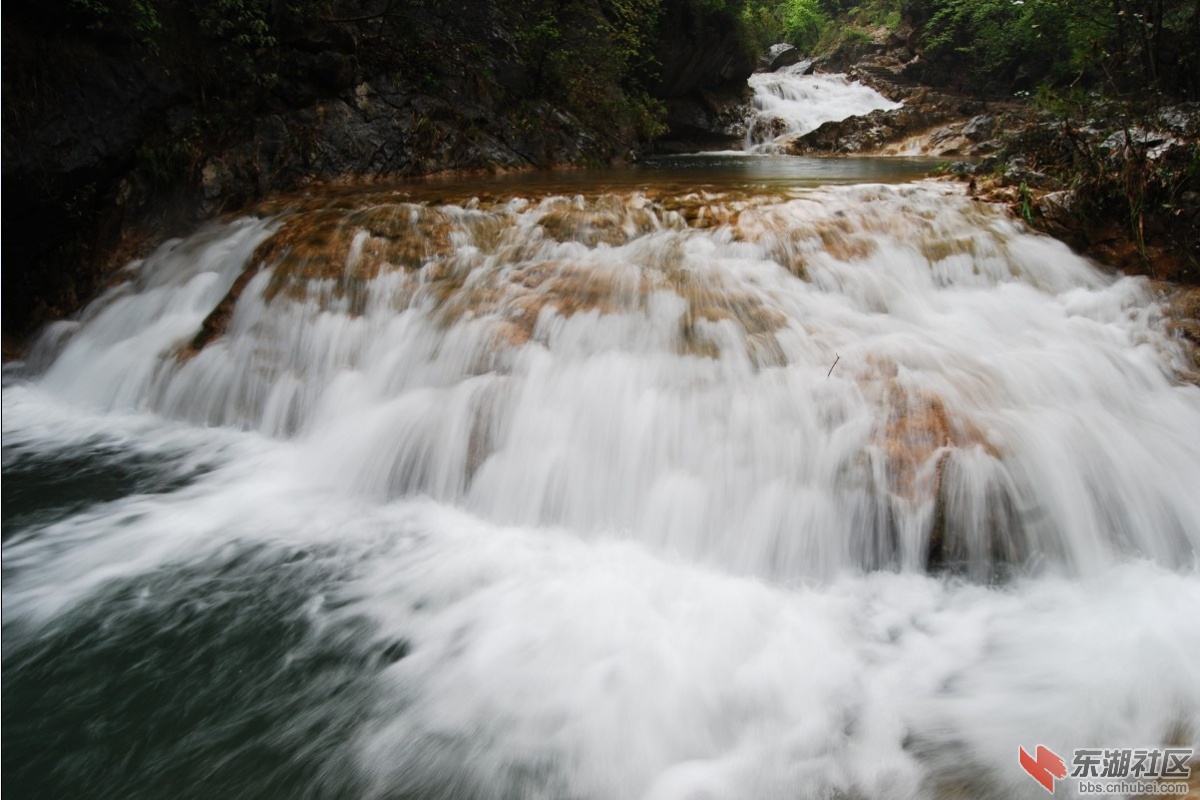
x=788, y=102
x=848, y=492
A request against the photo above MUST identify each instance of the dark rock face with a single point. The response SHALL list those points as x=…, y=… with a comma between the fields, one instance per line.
x=97, y=110
x=979, y=128
x=384, y=132
x=706, y=120
x=850, y=54
x=703, y=79
x=104, y=151
x=699, y=52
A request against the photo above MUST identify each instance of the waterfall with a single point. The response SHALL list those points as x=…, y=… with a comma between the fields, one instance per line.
x=665, y=371
x=831, y=491
x=789, y=103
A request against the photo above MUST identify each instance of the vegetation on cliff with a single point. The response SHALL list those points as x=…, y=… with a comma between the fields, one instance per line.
x=997, y=46
x=122, y=111
x=1120, y=45
x=1100, y=143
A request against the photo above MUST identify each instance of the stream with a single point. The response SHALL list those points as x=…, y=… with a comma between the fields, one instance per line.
x=725, y=476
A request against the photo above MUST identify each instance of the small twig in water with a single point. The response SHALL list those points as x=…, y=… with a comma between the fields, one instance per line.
x=839, y=358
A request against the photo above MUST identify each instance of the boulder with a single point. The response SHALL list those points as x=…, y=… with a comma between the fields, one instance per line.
x=865, y=133
x=778, y=56
x=979, y=128
x=766, y=128
x=1057, y=213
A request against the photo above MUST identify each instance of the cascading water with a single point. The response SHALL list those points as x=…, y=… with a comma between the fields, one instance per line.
x=788, y=102
x=835, y=492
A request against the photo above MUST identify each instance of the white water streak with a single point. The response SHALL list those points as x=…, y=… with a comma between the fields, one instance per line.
x=671, y=386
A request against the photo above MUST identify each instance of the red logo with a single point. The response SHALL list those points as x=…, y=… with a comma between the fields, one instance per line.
x=1045, y=768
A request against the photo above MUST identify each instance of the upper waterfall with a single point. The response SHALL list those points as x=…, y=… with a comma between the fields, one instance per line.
x=789, y=102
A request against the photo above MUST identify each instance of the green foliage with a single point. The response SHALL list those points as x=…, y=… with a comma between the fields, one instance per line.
x=804, y=22
x=212, y=43
x=1126, y=44
x=595, y=57
x=870, y=14
x=234, y=34
x=167, y=164
x=760, y=25
x=240, y=23
x=1026, y=198
x=798, y=22
x=138, y=15
x=999, y=36
x=817, y=26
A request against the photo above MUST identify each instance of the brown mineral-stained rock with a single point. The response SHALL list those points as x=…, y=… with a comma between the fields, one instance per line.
x=917, y=427
x=1182, y=309
x=846, y=245
x=917, y=440
x=217, y=321
x=352, y=248
x=12, y=349
x=606, y=220
x=701, y=213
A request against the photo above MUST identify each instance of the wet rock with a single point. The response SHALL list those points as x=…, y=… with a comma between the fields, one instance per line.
x=778, y=56
x=949, y=141
x=850, y=53
x=766, y=127
x=1182, y=310
x=1137, y=141
x=1018, y=175
x=1181, y=120
x=706, y=120
x=214, y=177
x=1057, y=215
x=1059, y=208
x=979, y=128
x=217, y=321
x=865, y=133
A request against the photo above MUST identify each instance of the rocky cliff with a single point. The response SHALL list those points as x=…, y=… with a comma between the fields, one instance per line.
x=128, y=121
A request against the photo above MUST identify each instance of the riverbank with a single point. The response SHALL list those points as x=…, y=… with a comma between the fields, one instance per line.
x=1116, y=180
